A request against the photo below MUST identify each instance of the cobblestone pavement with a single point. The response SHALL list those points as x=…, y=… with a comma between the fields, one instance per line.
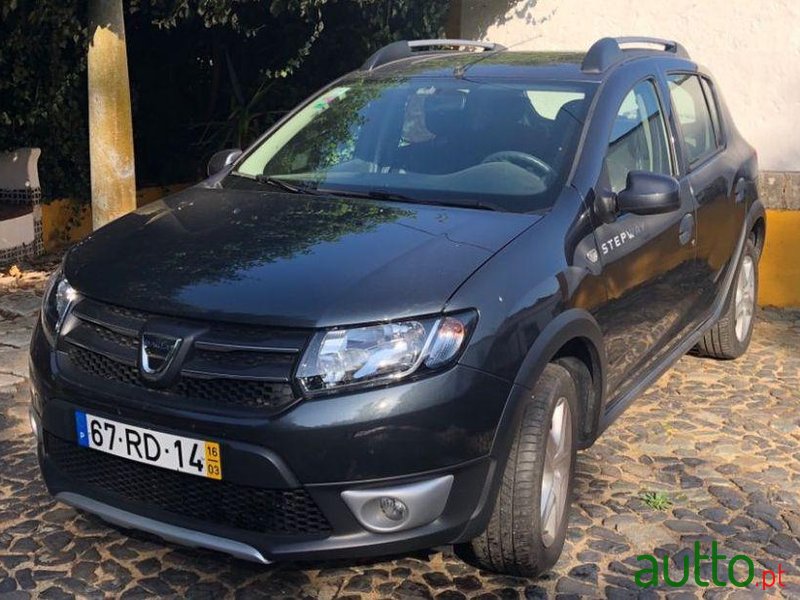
x=720, y=439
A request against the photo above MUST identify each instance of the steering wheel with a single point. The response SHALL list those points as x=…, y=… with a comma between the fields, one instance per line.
x=529, y=162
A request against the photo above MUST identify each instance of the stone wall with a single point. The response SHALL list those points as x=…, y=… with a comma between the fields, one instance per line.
x=780, y=190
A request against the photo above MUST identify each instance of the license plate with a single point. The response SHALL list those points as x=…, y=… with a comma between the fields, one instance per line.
x=187, y=455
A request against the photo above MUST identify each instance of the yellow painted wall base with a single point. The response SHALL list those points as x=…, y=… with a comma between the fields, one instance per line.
x=779, y=270
x=66, y=221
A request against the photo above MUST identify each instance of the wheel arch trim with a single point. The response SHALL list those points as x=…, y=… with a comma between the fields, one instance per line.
x=571, y=325
x=756, y=220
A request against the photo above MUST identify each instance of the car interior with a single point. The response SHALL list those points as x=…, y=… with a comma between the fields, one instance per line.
x=504, y=145
x=475, y=126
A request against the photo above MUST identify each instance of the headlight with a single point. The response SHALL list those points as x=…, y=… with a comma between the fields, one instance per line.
x=380, y=353
x=59, y=296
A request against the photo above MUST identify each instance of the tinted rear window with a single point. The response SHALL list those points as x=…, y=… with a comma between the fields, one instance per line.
x=693, y=115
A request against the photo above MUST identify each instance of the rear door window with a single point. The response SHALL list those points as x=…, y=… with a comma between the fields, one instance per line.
x=711, y=100
x=700, y=137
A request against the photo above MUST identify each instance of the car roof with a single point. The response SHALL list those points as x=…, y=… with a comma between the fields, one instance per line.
x=595, y=65
x=501, y=64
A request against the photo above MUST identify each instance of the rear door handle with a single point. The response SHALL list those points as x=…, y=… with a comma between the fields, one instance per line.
x=686, y=229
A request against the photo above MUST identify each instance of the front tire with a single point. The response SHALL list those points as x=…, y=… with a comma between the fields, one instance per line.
x=730, y=336
x=526, y=531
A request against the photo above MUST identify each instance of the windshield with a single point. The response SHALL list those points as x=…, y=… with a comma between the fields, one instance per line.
x=502, y=145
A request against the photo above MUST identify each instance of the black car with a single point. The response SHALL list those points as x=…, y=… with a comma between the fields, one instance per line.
x=392, y=321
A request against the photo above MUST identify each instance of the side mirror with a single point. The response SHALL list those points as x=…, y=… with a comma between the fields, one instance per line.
x=649, y=193
x=222, y=159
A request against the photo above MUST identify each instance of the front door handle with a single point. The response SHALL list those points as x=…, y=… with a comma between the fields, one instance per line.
x=686, y=229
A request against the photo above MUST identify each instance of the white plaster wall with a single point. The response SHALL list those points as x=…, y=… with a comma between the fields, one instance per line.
x=17, y=231
x=752, y=48
x=19, y=169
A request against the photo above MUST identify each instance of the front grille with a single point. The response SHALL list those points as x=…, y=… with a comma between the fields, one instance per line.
x=103, y=367
x=255, y=394
x=127, y=312
x=219, y=392
x=230, y=365
x=276, y=512
x=242, y=359
x=112, y=336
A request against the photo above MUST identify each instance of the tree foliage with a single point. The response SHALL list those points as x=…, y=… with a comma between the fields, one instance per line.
x=43, y=87
x=205, y=74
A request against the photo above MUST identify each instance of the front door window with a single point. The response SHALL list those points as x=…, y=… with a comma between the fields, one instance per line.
x=638, y=138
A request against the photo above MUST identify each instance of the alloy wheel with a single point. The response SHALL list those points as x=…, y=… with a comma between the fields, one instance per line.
x=745, y=297
x=557, y=467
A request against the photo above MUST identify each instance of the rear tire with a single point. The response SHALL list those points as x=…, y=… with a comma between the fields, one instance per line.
x=730, y=336
x=521, y=538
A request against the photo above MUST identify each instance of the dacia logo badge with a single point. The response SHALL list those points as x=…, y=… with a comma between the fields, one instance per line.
x=157, y=351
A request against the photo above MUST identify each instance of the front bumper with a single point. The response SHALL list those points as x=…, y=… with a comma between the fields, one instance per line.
x=170, y=533
x=390, y=438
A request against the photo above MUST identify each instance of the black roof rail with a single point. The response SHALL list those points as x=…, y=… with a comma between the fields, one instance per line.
x=606, y=52
x=405, y=48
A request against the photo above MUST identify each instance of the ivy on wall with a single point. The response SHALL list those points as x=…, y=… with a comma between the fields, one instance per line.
x=205, y=74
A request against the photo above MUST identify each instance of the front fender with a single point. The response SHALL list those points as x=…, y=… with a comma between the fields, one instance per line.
x=572, y=324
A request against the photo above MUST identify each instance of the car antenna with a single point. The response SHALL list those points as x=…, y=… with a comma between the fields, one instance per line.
x=461, y=70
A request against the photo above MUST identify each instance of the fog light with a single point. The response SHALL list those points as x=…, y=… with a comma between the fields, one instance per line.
x=399, y=507
x=393, y=509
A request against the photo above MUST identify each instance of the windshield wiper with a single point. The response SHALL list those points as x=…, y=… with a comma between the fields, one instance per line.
x=373, y=194
x=292, y=188
x=396, y=197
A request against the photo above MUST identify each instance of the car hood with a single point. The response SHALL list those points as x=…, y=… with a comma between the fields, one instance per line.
x=286, y=259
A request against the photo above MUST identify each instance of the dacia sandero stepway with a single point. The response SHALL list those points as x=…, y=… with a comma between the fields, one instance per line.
x=392, y=321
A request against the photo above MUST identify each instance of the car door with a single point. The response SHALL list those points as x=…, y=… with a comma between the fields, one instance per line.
x=648, y=261
x=719, y=198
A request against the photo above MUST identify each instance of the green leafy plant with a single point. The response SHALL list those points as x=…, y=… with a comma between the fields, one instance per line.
x=656, y=500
